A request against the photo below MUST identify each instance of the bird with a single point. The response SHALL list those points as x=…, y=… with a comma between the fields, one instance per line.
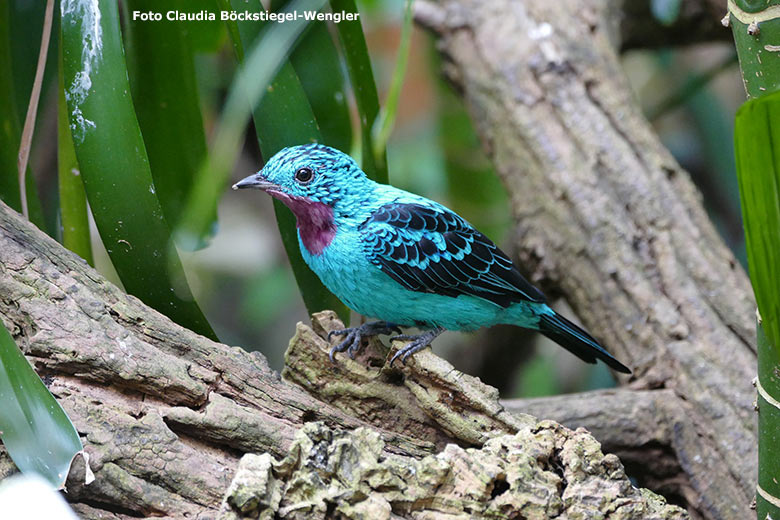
x=404, y=259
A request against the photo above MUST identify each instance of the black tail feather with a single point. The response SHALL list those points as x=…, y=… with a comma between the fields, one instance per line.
x=577, y=341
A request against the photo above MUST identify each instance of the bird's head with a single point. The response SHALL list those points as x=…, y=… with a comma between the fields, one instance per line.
x=311, y=174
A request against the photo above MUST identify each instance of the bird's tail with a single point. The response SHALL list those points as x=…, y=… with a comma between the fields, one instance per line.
x=576, y=340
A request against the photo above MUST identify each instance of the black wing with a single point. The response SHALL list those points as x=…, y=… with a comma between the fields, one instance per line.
x=433, y=250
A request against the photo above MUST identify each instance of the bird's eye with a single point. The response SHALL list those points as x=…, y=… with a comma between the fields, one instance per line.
x=304, y=175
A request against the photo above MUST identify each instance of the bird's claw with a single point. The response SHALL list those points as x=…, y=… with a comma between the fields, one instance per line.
x=407, y=351
x=354, y=335
x=354, y=348
x=397, y=355
x=340, y=332
x=351, y=343
x=418, y=342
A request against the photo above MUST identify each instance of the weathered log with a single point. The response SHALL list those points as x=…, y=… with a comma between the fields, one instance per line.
x=608, y=218
x=166, y=415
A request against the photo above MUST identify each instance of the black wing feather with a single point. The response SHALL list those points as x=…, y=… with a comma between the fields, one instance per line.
x=429, y=249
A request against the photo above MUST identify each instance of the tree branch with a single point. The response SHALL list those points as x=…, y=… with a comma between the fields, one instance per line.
x=138, y=387
x=166, y=415
x=606, y=216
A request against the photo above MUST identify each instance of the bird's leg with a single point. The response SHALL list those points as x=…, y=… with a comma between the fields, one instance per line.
x=352, y=342
x=418, y=342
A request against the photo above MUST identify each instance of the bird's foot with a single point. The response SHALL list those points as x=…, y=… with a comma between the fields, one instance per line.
x=416, y=342
x=354, y=335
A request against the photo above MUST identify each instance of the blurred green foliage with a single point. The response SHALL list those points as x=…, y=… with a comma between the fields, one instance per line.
x=758, y=166
x=10, y=125
x=114, y=165
x=161, y=69
x=72, y=198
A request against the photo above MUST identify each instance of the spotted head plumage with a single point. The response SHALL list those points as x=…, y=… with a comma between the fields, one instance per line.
x=322, y=187
x=314, y=172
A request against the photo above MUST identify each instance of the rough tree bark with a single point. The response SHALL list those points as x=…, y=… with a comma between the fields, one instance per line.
x=608, y=217
x=166, y=414
x=604, y=214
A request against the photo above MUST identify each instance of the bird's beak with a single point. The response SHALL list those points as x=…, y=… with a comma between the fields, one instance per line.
x=256, y=181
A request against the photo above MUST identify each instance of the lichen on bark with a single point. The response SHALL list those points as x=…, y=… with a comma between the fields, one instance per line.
x=543, y=471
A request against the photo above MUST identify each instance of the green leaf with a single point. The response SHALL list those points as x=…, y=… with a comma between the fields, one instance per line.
x=114, y=165
x=26, y=25
x=757, y=135
x=283, y=117
x=73, y=200
x=353, y=44
x=34, y=428
x=383, y=126
x=165, y=96
x=317, y=64
x=204, y=35
x=11, y=131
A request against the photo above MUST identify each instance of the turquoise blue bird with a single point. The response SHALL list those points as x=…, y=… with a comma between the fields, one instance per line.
x=404, y=259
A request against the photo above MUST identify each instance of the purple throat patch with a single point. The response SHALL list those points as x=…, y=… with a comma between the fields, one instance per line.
x=314, y=221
